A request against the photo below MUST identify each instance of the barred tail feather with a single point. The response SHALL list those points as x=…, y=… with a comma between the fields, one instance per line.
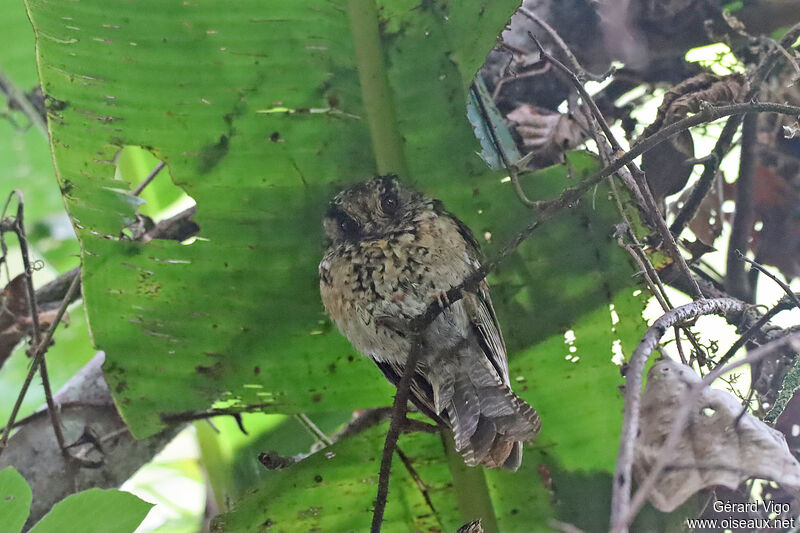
x=489, y=423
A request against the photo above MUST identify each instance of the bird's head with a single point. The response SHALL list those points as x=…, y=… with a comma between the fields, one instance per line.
x=374, y=209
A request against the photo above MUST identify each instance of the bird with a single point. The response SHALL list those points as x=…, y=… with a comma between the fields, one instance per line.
x=392, y=252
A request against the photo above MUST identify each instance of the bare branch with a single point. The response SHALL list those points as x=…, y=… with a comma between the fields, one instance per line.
x=398, y=417
x=39, y=350
x=19, y=99
x=150, y=177
x=788, y=290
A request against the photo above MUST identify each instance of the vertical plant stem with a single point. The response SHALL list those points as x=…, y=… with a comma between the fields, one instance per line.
x=470, y=487
x=387, y=143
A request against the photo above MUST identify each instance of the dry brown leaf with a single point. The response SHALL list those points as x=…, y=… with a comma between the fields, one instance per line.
x=687, y=96
x=719, y=446
x=776, y=194
x=15, y=320
x=665, y=166
x=707, y=221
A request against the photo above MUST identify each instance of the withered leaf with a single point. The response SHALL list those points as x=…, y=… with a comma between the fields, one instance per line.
x=718, y=446
x=776, y=205
x=665, y=166
x=687, y=96
x=15, y=319
x=707, y=221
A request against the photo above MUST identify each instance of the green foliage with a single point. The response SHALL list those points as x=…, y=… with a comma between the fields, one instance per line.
x=94, y=511
x=90, y=511
x=259, y=117
x=15, y=500
x=255, y=150
x=334, y=490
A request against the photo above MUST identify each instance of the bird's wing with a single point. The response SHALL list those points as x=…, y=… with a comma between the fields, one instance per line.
x=480, y=312
x=484, y=324
x=421, y=389
x=478, y=306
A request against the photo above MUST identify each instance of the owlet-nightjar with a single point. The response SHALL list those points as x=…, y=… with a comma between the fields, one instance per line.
x=393, y=251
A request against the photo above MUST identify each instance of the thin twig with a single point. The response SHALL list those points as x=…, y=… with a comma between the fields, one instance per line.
x=38, y=354
x=312, y=428
x=587, y=98
x=527, y=74
x=679, y=344
x=582, y=73
x=789, y=59
x=363, y=421
x=706, y=180
x=20, y=99
x=52, y=408
x=788, y=290
x=19, y=229
x=752, y=331
x=417, y=479
x=636, y=173
x=620, y=498
x=393, y=433
x=150, y=177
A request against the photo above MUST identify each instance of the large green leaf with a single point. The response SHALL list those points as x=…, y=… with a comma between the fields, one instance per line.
x=236, y=314
x=258, y=113
x=334, y=490
x=94, y=511
x=231, y=98
x=15, y=500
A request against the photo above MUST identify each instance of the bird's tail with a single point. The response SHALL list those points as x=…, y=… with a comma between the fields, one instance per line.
x=489, y=421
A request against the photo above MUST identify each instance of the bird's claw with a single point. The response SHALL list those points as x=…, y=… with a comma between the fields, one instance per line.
x=442, y=300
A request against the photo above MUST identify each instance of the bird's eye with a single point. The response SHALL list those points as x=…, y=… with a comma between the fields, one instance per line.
x=389, y=202
x=348, y=225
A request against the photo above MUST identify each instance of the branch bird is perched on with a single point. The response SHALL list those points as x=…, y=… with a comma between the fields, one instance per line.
x=392, y=252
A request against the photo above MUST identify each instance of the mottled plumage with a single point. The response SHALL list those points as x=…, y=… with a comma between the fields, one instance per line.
x=393, y=251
